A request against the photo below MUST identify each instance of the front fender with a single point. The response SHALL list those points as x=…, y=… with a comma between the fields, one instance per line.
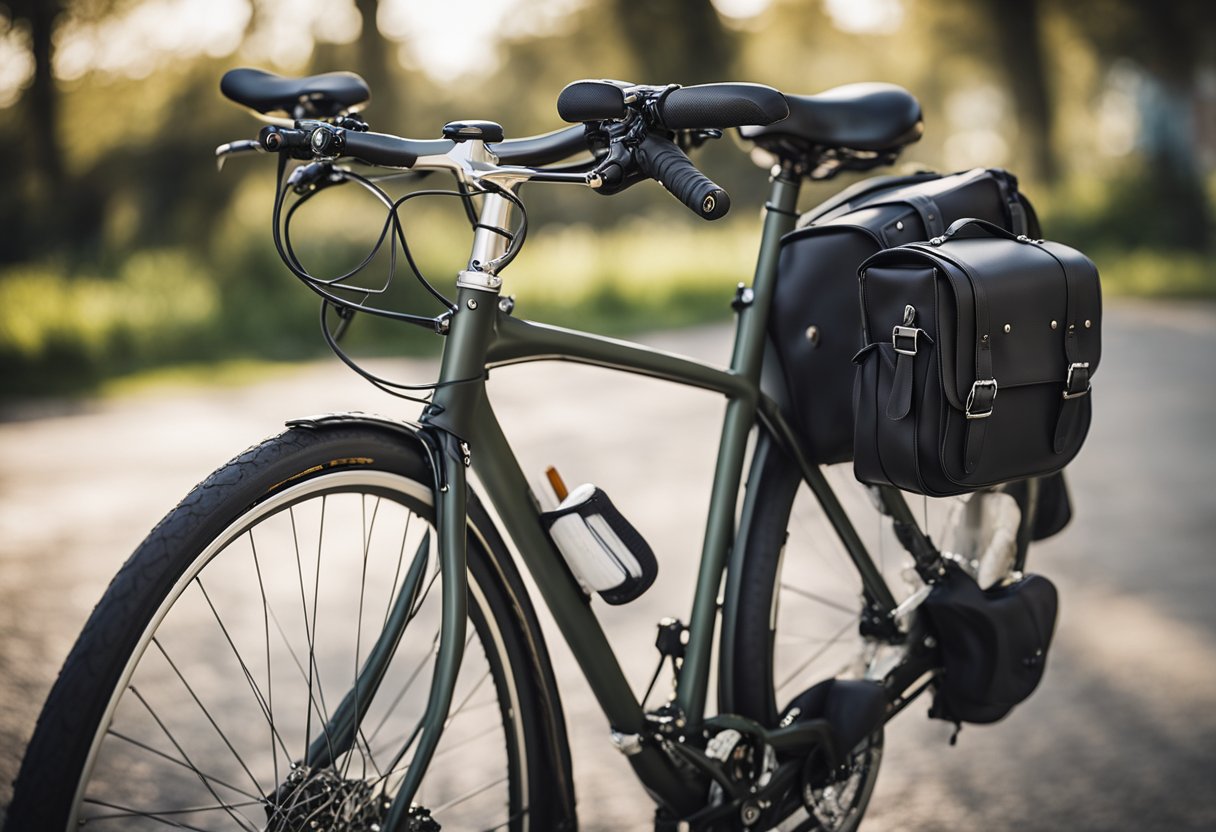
x=442, y=450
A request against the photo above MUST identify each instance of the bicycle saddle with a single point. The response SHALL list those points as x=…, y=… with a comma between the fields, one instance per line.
x=869, y=116
x=318, y=96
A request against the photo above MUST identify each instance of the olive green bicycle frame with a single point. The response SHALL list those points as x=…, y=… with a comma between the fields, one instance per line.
x=483, y=336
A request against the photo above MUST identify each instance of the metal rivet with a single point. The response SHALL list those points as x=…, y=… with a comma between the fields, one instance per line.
x=1072, y=327
x=1088, y=324
x=812, y=334
x=899, y=226
x=472, y=303
x=1055, y=324
x=985, y=339
x=1008, y=328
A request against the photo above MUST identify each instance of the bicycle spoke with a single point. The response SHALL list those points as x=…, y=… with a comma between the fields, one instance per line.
x=186, y=757
x=388, y=607
x=193, y=695
x=160, y=814
x=827, y=602
x=144, y=746
x=510, y=820
x=807, y=662
x=257, y=694
x=367, y=542
x=455, y=713
x=135, y=813
x=430, y=654
x=469, y=795
x=295, y=542
x=257, y=566
x=314, y=704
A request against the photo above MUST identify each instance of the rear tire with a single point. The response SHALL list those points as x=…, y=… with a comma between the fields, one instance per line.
x=798, y=603
x=203, y=674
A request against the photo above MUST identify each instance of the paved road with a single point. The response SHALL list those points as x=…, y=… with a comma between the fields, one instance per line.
x=1121, y=735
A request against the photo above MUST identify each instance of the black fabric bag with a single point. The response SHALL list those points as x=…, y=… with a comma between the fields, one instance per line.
x=951, y=324
x=994, y=644
x=814, y=323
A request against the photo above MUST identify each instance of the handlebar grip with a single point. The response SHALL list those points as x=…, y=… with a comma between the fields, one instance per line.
x=661, y=159
x=379, y=149
x=721, y=106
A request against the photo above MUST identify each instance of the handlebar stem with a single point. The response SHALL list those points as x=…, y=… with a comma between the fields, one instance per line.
x=489, y=243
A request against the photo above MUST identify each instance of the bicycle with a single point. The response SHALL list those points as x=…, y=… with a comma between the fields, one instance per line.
x=243, y=570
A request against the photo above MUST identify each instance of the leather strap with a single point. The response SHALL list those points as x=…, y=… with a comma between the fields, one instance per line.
x=906, y=341
x=982, y=397
x=1076, y=385
x=977, y=426
x=929, y=213
x=1008, y=183
x=900, y=402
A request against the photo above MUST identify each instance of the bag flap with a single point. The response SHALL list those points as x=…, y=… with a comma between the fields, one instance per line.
x=1024, y=289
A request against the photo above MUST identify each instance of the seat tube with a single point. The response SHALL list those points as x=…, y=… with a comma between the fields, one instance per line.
x=746, y=361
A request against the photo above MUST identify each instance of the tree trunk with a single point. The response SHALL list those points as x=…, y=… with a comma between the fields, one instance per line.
x=375, y=62
x=31, y=223
x=676, y=41
x=1017, y=30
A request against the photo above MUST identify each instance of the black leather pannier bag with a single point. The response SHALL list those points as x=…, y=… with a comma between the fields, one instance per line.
x=994, y=644
x=814, y=322
x=979, y=352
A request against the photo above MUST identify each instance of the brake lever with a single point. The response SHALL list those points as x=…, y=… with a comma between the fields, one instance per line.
x=692, y=139
x=240, y=146
x=618, y=168
x=315, y=176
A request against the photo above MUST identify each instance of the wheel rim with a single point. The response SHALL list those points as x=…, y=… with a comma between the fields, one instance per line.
x=275, y=662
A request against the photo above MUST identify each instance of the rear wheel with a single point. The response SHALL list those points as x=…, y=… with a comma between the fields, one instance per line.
x=222, y=653
x=799, y=611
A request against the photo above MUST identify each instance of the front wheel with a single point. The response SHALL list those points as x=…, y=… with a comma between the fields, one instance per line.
x=207, y=688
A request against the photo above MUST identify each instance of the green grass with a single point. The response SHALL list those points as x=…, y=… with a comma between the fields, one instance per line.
x=1156, y=274
x=223, y=373
x=164, y=317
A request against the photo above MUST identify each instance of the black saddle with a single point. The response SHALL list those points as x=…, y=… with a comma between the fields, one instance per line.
x=317, y=96
x=868, y=117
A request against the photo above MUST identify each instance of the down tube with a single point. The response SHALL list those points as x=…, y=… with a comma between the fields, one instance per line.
x=508, y=490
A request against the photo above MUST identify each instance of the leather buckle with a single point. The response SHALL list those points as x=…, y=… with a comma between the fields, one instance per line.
x=1077, y=383
x=981, y=386
x=904, y=332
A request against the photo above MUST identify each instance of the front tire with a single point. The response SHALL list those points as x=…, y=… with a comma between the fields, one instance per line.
x=227, y=640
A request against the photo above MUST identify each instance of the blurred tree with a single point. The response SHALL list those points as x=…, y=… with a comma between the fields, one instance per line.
x=375, y=60
x=41, y=179
x=1017, y=29
x=675, y=41
x=1170, y=42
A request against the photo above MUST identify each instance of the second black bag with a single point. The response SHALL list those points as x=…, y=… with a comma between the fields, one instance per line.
x=814, y=323
x=979, y=352
x=994, y=644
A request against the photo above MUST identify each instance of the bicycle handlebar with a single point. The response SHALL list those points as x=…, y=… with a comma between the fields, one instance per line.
x=383, y=149
x=661, y=160
x=647, y=148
